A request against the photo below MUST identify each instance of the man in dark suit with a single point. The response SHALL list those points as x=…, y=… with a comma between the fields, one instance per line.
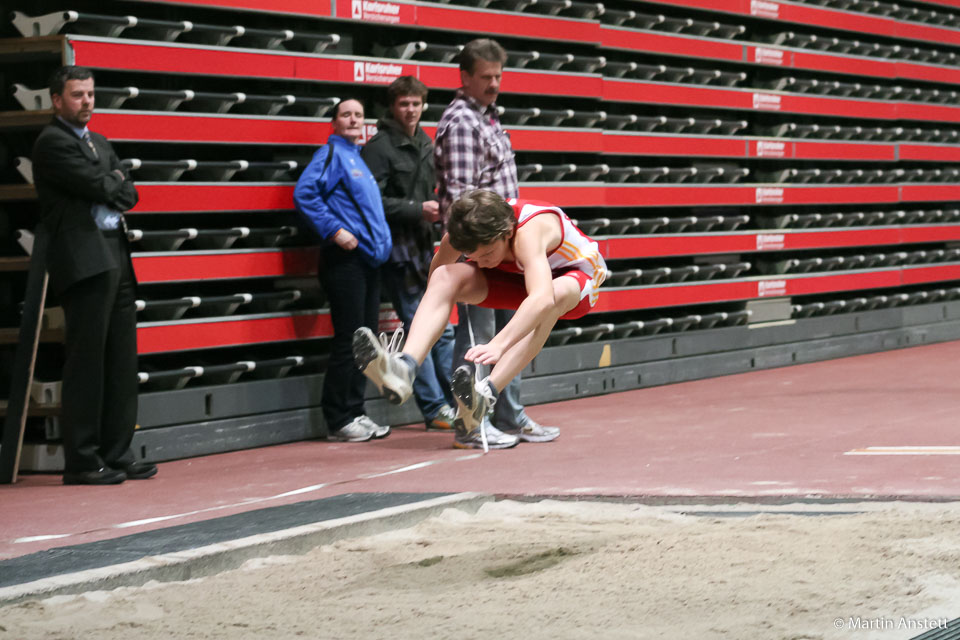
x=83, y=191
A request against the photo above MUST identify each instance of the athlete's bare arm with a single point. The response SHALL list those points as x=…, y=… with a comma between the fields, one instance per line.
x=445, y=254
x=533, y=241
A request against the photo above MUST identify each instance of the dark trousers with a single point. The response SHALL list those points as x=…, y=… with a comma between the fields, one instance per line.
x=353, y=289
x=99, y=399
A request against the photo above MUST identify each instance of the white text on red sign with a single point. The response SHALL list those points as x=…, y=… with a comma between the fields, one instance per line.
x=766, y=101
x=771, y=149
x=762, y=55
x=376, y=72
x=373, y=11
x=764, y=9
x=768, y=288
x=770, y=241
x=769, y=195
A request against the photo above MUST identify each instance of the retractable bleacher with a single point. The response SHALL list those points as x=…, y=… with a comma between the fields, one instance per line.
x=770, y=182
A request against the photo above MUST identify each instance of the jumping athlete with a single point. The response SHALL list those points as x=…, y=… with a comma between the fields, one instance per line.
x=520, y=254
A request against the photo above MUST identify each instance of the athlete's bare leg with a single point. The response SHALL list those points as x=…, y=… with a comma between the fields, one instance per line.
x=566, y=292
x=449, y=284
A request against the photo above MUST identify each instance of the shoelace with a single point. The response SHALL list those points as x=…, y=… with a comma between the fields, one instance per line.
x=482, y=385
x=476, y=384
x=391, y=344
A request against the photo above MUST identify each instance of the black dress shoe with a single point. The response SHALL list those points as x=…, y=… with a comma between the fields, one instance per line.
x=140, y=470
x=103, y=475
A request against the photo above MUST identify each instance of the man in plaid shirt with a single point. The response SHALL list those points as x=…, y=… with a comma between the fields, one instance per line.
x=472, y=151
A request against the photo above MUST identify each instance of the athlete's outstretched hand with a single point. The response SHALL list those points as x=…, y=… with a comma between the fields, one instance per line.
x=484, y=354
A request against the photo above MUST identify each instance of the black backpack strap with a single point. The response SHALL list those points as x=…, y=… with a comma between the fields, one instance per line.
x=326, y=163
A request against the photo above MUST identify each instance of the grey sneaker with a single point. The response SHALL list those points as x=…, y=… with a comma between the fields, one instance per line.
x=474, y=398
x=379, y=431
x=354, y=431
x=380, y=361
x=443, y=421
x=496, y=439
x=533, y=431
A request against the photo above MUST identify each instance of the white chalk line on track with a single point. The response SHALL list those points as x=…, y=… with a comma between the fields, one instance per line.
x=248, y=502
x=905, y=451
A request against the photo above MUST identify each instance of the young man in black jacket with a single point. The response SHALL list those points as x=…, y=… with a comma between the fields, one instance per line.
x=83, y=191
x=400, y=156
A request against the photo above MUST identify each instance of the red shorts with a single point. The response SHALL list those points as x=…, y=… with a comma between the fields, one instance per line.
x=507, y=290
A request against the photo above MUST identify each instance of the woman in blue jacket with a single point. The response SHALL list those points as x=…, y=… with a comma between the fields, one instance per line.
x=341, y=201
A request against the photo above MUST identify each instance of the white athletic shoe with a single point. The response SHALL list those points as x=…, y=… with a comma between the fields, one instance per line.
x=443, y=421
x=381, y=362
x=354, y=431
x=496, y=439
x=379, y=430
x=533, y=431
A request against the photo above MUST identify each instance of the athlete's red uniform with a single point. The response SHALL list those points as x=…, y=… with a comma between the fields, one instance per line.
x=576, y=256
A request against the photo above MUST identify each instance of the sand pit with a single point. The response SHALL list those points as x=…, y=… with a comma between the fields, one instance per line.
x=564, y=570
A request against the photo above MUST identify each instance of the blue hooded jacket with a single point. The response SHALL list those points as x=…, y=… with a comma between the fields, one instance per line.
x=343, y=193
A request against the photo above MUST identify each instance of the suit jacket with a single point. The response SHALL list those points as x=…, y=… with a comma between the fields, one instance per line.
x=70, y=179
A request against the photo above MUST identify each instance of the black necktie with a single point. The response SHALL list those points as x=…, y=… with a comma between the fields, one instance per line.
x=86, y=138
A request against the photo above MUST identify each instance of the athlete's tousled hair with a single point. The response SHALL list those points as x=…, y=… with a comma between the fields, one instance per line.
x=479, y=217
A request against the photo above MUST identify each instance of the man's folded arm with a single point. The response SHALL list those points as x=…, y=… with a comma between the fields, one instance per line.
x=64, y=165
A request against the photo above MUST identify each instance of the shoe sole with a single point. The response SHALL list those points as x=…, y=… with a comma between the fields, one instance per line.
x=336, y=439
x=525, y=438
x=142, y=476
x=479, y=445
x=112, y=481
x=461, y=383
x=370, y=357
x=538, y=438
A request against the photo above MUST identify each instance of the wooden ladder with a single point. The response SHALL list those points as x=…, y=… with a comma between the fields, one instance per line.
x=24, y=360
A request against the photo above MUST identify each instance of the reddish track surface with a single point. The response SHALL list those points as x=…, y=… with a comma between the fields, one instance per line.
x=768, y=434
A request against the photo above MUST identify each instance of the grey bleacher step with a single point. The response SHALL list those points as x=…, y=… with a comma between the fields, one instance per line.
x=949, y=631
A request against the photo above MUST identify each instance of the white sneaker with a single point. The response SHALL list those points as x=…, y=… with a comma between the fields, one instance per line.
x=443, y=421
x=473, y=397
x=381, y=362
x=354, y=431
x=496, y=439
x=533, y=431
x=379, y=431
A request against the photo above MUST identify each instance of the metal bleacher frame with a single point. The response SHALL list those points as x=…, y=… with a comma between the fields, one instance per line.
x=772, y=183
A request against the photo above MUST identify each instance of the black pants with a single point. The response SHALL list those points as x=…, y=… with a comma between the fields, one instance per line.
x=99, y=405
x=353, y=289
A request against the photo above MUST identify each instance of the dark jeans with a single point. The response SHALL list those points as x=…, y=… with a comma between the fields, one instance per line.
x=508, y=413
x=99, y=398
x=353, y=289
x=431, y=388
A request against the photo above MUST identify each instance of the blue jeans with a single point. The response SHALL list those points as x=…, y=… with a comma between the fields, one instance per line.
x=508, y=413
x=431, y=388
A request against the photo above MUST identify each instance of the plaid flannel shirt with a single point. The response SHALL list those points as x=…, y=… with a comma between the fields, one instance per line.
x=472, y=151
